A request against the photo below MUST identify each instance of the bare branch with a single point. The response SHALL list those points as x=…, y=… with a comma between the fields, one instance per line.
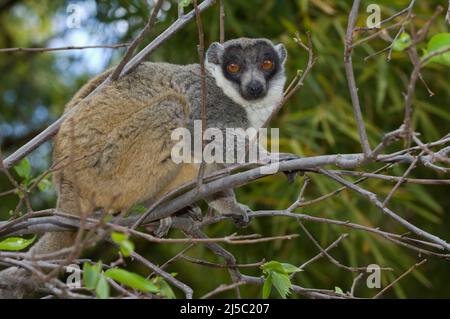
x=71, y=47
x=222, y=21
x=374, y=200
x=378, y=295
x=144, y=32
x=201, y=55
x=297, y=82
x=326, y=254
x=351, y=79
x=223, y=288
x=407, y=10
x=185, y=288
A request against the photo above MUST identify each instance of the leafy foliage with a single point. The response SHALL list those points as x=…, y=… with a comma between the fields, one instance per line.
x=95, y=279
x=276, y=274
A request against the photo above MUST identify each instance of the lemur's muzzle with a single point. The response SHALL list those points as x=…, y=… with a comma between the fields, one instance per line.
x=255, y=89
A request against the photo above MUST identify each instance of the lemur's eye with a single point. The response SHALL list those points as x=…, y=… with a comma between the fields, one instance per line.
x=233, y=68
x=267, y=65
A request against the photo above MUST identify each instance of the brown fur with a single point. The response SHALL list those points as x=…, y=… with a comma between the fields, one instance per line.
x=115, y=149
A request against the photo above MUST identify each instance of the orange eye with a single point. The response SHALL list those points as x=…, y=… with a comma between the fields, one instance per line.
x=267, y=65
x=233, y=68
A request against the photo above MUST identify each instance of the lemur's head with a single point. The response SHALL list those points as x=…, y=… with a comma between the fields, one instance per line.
x=249, y=71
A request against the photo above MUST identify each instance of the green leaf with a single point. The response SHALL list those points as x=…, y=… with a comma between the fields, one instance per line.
x=118, y=237
x=102, y=289
x=438, y=42
x=91, y=274
x=138, y=209
x=282, y=268
x=44, y=184
x=282, y=284
x=184, y=3
x=267, y=286
x=107, y=218
x=289, y=269
x=131, y=280
x=165, y=289
x=338, y=290
x=402, y=42
x=126, y=246
x=23, y=169
x=273, y=266
x=15, y=243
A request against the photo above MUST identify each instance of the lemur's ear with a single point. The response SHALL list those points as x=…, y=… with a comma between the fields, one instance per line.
x=214, y=53
x=282, y=53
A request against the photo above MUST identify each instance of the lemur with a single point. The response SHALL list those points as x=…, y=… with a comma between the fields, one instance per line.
x=117, y=144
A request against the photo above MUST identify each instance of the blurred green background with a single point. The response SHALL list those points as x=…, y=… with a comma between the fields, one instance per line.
x=35, y=86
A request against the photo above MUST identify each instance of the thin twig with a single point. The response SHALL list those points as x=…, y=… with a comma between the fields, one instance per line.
x=203, y=114
x=402, y=179
x=70, y=47
x=351, y=79
x=215, y=265
x=321, y=254
x=374, y=200
x=402, y=12
x=182, y=286
x=144, y=32
x=222, y=288
x=296, y=84
x=327, y=255
x=378, y=295
x=355, y=283
x=222, y=21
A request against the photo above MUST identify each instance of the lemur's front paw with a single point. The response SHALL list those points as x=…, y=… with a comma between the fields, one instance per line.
x=195, y=213
x=241, y=221
x=164, y=226
x=240, y=216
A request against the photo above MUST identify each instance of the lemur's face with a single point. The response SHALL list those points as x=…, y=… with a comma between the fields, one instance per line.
x=247, y=69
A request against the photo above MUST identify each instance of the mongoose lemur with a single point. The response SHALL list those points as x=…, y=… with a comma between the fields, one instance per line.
x=117, y=144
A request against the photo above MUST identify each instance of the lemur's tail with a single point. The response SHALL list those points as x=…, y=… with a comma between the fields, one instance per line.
x=18, y=282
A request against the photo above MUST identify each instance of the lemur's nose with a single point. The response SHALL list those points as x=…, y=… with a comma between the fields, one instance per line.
x=255, y=88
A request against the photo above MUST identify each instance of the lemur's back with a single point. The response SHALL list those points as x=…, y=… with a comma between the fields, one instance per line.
x=109, y=150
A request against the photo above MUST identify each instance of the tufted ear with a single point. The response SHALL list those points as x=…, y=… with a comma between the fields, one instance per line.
x=214, y=53
x=282, y=53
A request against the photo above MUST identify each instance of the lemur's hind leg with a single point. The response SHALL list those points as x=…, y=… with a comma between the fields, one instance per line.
x=193, y=213
x=225, y=202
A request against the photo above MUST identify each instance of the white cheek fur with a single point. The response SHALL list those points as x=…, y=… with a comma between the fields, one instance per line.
x=257, y=111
